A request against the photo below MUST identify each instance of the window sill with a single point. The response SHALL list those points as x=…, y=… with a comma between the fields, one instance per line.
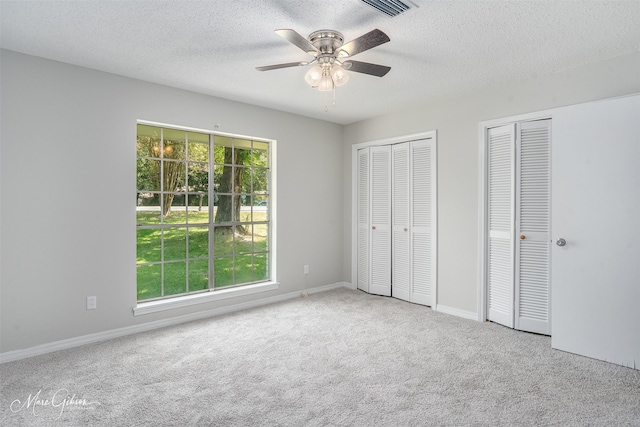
x=188, y=300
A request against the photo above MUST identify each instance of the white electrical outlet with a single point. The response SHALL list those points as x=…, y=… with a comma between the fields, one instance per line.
x=92, y=303
x=306, y=269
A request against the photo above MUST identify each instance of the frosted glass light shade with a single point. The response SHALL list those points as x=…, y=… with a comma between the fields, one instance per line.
x=339, y=75
x=313, y=76
x=326, y=83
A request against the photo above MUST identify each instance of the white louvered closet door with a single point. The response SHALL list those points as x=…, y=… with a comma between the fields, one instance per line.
x=380, y=259
x=401, y=272
x=423, y=243
x=363, y=219
x=532, y=227
x=500, y=277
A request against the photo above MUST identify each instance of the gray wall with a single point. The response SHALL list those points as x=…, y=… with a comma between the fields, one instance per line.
x=68, y=191
x=457, y=123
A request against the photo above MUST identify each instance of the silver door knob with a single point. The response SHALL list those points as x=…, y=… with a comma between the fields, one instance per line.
x=561, y=242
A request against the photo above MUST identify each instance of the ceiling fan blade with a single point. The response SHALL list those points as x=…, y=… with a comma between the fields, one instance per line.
x=366, y=68
x=295, y=38
x=287, y=65
x=365, y=42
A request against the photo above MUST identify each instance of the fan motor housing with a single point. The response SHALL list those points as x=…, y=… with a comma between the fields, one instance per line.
x=326, y=41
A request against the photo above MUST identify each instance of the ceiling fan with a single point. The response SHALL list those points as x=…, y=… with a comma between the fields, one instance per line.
x=332, y=56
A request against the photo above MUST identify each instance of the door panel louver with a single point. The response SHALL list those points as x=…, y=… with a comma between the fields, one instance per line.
x=500, y=281
x=363, y=187
x=500, y=274
x=388, y=7
x=500, y=182
x=421, y=184
x=534, y=280
x=380, y=187
x=534, y=180
x=422, y=264
x=400, y=269
x=381, y=262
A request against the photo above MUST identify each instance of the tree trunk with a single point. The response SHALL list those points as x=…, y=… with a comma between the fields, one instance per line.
x=230, y=183
x=171, y=178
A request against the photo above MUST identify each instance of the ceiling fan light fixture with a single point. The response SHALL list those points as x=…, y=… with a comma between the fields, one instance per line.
x=326, y=83
x=313, y=76
x=339, y=75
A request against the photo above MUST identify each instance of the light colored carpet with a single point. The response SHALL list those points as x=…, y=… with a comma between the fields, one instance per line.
x=336, y=358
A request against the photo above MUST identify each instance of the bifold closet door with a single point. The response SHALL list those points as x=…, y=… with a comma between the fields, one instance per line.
x=396, y=242
x=519, y=224
x=380, y=259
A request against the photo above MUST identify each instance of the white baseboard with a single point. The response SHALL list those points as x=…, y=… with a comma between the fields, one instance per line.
x=38, y=350
x=472, y=315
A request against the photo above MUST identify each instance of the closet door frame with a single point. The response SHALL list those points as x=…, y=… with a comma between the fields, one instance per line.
x=483, y=202
x=354, y=203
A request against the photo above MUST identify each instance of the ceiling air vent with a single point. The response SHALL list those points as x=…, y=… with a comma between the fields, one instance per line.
x=388, y=7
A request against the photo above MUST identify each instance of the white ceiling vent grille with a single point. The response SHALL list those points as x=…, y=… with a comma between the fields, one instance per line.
x=388, y=7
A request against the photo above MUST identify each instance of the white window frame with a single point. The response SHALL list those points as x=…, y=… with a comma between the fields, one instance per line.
x=212, y=294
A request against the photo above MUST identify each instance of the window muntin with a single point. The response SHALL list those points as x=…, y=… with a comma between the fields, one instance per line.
x=185, y=244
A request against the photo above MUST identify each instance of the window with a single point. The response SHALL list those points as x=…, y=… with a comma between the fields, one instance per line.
x=202, y=212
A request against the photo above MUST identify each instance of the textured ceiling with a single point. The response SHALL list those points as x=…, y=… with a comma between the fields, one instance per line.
x=437, y=49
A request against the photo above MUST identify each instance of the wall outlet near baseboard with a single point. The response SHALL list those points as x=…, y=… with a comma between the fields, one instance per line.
x=306, y=269
x=92, y=303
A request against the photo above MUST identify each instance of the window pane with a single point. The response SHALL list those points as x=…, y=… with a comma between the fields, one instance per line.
x=148, y=175
x=198, y=147
x=198, y=177
x=149, y=245
x=173, y=177
x=177, y=212
x=260, y=154
x=260, y=180
x=149, y=278
x=175, y=244
x=260, y=237
x=223, y=241
x=148, y=141
x=261, y=271
x=148, y=208
x=223, y=141
x=245, y=208
x=198, y=208
x=223, y=271
x=244, y=269
x=243, y=151
x=198, y=275
x=198, y=242
x=244, y=239
x=245, y=175
x=260, y=208
x=174, y=144
x=175, y=278
x=223, y=208
x=223, y=179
